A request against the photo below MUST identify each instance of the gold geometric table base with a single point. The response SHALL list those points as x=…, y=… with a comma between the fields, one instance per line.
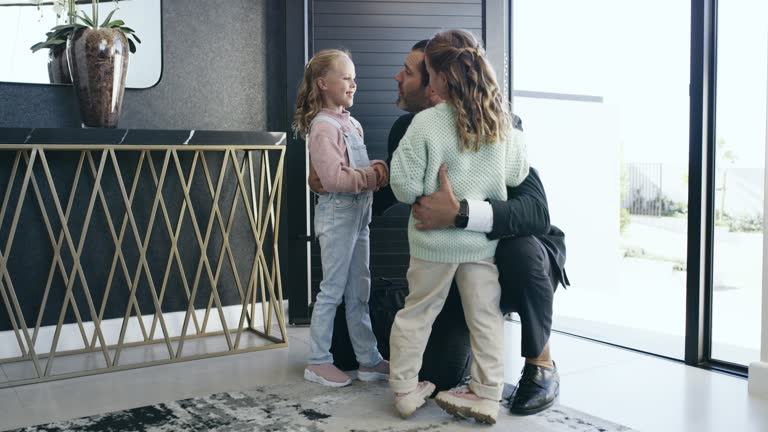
x=251, y=174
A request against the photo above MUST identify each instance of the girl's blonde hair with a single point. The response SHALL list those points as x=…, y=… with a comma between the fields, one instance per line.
x=482, y=114
x=309, y=100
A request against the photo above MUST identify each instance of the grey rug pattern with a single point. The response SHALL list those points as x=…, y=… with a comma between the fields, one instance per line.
x=307, y=407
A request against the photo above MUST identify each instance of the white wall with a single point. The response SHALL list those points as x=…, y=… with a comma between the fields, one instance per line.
x=758, y=371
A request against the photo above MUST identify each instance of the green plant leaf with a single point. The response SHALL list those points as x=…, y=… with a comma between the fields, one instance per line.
x=115, y=23
x=109, y=17
x=127, y=29
x=47, y=44
x=37, y=46
x=131, y=46
x=63, y=26
x=60, y=33
x=86, y=19
x=129, y=35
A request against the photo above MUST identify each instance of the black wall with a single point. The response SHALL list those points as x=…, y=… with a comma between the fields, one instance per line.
x=31, y=243
x=223, y=69
x=380, y=34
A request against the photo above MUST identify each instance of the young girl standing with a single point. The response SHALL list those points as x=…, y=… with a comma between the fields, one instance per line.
x=339, y=156
x=471, y=132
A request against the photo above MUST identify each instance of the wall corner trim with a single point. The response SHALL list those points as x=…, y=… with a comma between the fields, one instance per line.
x=758, y=380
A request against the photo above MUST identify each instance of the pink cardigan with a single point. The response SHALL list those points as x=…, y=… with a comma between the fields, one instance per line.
x=328, y=155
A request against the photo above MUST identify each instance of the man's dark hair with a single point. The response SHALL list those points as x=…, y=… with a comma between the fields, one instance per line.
x=421, y=46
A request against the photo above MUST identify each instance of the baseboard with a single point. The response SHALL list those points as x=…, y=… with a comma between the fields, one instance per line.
x=71, y=339
x=758, y=379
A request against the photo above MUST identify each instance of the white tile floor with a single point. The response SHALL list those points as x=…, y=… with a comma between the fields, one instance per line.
x=3, y=377
x=639, y=391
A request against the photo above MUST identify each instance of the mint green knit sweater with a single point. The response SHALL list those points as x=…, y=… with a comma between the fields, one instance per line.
x=430, y=141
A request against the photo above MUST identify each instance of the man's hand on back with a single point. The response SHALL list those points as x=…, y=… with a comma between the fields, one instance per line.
x=438, y=210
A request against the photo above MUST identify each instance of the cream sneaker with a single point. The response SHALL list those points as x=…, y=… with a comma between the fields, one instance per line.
x=326, y=374
x=462, y=402
x=380, y=372
x=408, y=403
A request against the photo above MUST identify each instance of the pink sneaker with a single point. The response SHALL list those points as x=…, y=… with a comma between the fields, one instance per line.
x=380, y=372
x=462, y=402
x=326, y=374
x=408, y=403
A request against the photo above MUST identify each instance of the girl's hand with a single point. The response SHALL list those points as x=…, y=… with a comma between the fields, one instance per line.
x=382, y=176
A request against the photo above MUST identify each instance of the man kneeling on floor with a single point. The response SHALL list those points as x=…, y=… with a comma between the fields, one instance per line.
x=530, y=258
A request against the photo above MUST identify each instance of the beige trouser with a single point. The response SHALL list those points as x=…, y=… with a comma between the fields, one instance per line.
x=429, y=283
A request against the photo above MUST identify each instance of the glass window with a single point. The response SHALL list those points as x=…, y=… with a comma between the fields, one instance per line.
x=742, y=59
x=602, y=89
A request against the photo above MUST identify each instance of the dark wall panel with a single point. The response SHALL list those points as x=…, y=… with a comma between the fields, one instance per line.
x=396, y=8
x=31, y=244
x=350, y=20
x=379, y=34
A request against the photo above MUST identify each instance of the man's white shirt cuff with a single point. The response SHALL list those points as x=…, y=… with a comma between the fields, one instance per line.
x=480, y=216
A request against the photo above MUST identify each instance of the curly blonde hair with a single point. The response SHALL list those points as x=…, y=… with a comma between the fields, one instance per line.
x=482, y=114
x=309, y=100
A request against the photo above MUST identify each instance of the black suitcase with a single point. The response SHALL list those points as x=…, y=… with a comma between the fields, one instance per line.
x=448, y=354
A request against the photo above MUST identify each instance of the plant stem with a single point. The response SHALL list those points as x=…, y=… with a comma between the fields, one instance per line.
x=72, y=12
x=95, y=4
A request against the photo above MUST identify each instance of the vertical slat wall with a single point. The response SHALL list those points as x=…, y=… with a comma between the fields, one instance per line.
x=379, y=34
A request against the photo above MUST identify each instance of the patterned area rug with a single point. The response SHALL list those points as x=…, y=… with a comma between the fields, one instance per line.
x=307, y=407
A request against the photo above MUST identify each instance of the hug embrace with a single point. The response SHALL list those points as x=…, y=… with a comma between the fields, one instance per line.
x=480, y=241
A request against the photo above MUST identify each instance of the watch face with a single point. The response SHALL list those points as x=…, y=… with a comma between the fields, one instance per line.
x=461, y=221
x=463, y=208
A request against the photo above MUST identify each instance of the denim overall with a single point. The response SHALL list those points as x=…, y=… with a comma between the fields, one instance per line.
x=341, y=227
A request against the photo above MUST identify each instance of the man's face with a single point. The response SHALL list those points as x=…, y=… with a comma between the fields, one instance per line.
x=412, y=95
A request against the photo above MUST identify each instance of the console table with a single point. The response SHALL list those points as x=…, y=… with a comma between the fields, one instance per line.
x=129, y=248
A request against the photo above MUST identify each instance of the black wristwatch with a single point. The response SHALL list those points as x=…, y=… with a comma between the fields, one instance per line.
x=462, y=219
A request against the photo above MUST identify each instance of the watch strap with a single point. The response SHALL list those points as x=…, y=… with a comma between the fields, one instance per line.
x=462, y=219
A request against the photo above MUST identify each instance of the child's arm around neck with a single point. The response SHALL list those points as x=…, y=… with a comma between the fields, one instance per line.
x=409, y=163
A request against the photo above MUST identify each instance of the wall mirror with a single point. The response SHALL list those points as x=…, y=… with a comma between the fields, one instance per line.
x=23, y=23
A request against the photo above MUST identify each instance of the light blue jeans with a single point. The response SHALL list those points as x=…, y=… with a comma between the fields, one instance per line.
x=341, y=226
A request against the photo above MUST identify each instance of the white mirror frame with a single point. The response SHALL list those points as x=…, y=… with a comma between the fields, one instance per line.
x=22, y=25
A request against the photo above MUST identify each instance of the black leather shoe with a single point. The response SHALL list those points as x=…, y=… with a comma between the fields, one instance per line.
x=536, y=391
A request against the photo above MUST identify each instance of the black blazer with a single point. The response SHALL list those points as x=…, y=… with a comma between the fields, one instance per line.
x=524, y=213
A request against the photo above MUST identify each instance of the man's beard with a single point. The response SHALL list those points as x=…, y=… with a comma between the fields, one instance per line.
x=410, y=105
